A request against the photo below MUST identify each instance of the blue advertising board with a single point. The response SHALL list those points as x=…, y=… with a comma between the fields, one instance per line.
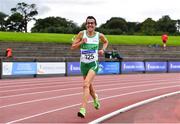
x=129, y=67
x=174, y=66
x=73, y=68
x=156, y=66
x=24, y=68
x=109, y=68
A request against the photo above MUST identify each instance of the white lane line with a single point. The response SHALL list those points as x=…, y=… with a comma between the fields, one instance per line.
x=65, y=82
x=60, y=80
x=31, y=88
x=40, y=80
x=67, y=95
x=48, y=86
x=98, y=85
x=75, y=84
x=105, y=117
x=105, y=98
x=29, y=83
x=36, y=84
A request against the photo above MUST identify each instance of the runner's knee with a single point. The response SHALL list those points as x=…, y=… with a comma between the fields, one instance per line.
x=86, y=84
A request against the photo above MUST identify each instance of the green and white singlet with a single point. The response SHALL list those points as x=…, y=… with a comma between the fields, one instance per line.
x=89, y=50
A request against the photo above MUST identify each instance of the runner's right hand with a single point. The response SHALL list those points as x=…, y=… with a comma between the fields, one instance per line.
x=84, y=40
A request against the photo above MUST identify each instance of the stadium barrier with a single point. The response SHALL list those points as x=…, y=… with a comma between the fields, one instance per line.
x=12, y=69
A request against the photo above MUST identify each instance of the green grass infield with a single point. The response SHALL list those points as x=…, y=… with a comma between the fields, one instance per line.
x=67, y=38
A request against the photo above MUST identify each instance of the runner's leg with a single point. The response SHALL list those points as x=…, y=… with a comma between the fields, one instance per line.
x=86, y=88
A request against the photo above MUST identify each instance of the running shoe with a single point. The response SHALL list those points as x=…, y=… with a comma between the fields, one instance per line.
x=96, y=102
x=82, y=113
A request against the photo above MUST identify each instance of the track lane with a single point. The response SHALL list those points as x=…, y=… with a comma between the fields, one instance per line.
x=60, y=92
x=48, y=87
x=48, y=105
x=111, y=103
x=130, y=82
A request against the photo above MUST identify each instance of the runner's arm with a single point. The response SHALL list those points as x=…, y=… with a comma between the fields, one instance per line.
x=78, y=41
x=105, y=43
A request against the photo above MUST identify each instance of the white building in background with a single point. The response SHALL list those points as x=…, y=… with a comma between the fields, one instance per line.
x=178, y=25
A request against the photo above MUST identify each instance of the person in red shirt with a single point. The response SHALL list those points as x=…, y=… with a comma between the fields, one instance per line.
x=164, y=40
x=8, y=52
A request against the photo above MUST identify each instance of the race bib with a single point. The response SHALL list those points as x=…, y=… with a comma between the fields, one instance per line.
x=88, y=55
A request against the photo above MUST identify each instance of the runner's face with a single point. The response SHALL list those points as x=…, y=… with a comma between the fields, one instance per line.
x=90, y=24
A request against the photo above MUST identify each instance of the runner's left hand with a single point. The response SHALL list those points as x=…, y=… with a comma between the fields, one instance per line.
x=101, y=52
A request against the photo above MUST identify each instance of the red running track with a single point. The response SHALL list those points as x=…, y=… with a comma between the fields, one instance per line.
x=57, y=100
x=165, y=110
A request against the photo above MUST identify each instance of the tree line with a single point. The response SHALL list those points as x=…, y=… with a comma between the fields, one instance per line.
x=23, y=13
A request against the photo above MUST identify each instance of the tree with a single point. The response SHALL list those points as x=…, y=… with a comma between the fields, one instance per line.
x=115, y=25
x=27, y=11
x=148, y=27
x=55, y=25
x=131, y=27
x=14, y=22
x=2, y=21
x=166, y=25
x=83, y=26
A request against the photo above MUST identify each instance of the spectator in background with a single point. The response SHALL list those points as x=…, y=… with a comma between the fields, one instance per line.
x=8, y=52
x=164, y=40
